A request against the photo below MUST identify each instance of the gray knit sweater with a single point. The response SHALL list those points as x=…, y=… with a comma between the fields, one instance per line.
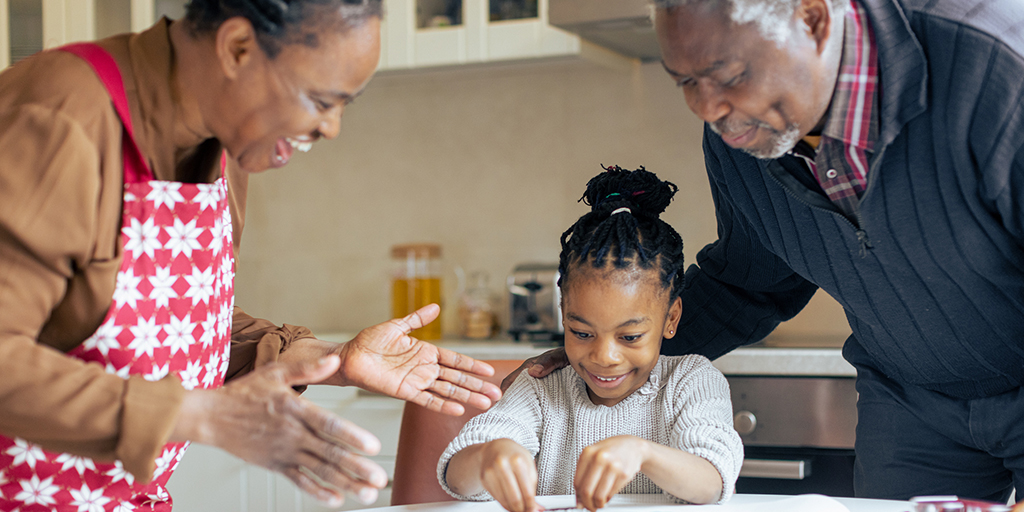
x=685, y=404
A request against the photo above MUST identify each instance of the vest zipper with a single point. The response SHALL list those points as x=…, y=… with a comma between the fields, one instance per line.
x=862, y=235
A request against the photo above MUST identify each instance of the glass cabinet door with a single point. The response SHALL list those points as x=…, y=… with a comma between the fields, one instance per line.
x=113, y=17
x=24, y=26
x=502, y=10
x=29, y=26
x=438, y=13
x=173, y=9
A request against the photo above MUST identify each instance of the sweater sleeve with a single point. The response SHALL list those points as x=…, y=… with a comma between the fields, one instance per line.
x=256, y=342
x=703, y=419
x=517, y=416
x=738, y=291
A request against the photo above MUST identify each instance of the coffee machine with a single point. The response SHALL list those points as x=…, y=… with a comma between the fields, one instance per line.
x=535, y=312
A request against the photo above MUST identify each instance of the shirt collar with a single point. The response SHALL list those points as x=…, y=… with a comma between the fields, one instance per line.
x=853, y=113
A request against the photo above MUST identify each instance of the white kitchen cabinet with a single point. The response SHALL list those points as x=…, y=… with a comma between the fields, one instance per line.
x=477, y=40
x=27, y=26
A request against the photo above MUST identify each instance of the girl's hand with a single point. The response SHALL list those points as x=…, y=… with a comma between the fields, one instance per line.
x=606, y=467
x=508, y=472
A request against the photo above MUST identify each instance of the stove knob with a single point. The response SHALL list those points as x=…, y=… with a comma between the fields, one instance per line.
x=744, y=422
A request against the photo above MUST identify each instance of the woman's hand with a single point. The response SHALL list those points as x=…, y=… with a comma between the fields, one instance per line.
x=539, y=366
x=385, y=359
x=260, y=419
x=508, y=472
x=606, y=467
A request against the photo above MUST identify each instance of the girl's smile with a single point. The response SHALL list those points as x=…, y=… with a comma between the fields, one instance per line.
x=606, y=382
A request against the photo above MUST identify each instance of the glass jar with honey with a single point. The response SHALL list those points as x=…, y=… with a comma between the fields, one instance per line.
x=416, y=282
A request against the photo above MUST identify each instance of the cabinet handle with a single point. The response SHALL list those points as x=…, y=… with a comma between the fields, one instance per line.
x=783, y=469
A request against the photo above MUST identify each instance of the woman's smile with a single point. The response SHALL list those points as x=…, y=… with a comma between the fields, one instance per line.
x=285, y=148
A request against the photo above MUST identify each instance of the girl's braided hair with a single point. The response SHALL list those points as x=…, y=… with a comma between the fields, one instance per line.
x=637, y=236
x=281, y=22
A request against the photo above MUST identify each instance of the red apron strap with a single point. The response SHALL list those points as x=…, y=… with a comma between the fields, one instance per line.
x=135, y=168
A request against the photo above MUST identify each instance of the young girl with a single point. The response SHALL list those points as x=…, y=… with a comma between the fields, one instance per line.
x=621, y=417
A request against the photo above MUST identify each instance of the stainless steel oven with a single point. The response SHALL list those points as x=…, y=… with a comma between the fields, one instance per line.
x=798, y=433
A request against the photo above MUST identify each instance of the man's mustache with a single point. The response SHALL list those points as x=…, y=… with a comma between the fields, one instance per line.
x=733, y=126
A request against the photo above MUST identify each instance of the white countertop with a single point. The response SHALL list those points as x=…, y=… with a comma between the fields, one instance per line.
x=657, y=503
x=773, y=361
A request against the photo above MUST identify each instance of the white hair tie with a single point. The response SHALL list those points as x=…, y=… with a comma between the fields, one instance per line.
x=623, y=209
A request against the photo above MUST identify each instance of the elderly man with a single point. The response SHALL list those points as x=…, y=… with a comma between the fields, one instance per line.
x=874, y=149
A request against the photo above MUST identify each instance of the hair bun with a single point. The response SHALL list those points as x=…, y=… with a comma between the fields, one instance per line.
x=641, y=191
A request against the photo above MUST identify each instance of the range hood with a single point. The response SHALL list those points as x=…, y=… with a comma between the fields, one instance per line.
x=620, y=25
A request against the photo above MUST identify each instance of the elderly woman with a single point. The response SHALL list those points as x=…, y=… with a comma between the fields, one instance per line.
x=123, y=168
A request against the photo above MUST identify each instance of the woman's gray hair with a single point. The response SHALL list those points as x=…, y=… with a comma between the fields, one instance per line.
x=772, y=17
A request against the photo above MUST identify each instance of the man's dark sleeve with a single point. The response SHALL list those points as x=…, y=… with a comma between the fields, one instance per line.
x=738, y=291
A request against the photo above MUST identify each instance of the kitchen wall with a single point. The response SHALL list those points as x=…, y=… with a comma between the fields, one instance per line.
x=488, y=162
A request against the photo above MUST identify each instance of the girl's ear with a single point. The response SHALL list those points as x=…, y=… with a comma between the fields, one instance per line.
x=675, y=312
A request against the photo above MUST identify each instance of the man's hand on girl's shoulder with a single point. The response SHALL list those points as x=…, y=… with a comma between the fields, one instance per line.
x=538, y=366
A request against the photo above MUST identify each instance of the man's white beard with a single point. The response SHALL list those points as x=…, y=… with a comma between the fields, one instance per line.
x=778, y=142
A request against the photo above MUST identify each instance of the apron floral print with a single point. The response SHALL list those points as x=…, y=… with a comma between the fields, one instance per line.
x=170, y=316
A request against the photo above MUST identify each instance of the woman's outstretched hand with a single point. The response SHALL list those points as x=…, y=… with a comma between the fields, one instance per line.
x=538, y=366
x=385, y=359
x=260, y=419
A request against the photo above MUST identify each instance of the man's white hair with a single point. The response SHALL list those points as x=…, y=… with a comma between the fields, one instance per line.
x=772, y=17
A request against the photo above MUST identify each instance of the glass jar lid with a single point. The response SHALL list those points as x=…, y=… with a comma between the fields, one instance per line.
x=416, y=250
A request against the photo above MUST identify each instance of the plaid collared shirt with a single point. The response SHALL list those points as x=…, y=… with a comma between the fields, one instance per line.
x=840, y=163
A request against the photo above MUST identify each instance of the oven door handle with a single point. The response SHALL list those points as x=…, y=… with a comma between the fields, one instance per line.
x=782, y=469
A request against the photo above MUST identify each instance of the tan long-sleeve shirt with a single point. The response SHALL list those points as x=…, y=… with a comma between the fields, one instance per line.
x=60, y=221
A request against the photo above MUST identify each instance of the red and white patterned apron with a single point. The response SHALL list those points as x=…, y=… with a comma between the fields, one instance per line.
x=170, y=315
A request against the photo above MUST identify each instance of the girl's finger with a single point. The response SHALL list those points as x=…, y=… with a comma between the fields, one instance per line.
x=586, y=481
x=503, y=482
x=582, y=466
x=604, y=486
x=526, y=476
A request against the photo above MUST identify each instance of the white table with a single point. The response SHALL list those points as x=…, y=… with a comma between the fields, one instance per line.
x=654, y=503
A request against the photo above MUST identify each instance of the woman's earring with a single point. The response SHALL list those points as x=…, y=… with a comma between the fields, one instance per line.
x=671, y=332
